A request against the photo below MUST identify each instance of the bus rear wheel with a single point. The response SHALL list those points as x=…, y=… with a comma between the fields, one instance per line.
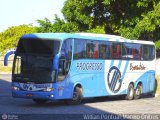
x=138, y=91
x=40, y=101
x=77, y=97
x=130, y=94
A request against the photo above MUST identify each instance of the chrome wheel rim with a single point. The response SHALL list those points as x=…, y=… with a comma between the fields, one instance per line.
x=131, y=93
x=75, y=96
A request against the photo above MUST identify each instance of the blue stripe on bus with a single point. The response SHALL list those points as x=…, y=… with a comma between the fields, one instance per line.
x=112, y=62
x=119, y=64
x=125, y=69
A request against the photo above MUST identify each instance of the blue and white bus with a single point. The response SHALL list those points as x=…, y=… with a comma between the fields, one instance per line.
x=63, y=66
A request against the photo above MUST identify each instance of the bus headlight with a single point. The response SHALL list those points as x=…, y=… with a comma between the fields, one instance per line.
x=48, y=89
x=15, y=88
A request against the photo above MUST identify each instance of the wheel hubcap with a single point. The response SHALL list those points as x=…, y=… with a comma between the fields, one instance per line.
x=131, y=92
x=137, y=92
x=75, y=96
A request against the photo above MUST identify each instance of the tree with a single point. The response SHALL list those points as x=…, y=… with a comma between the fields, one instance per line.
x=58, y=25
x=9, y=38
x=44, y=25
x=149, y=26
x=133, y=19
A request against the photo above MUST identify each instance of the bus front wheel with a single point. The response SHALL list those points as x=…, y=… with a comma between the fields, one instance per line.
x=40, y=101
x=130, y=94
x=77, y=97
x=138, y=91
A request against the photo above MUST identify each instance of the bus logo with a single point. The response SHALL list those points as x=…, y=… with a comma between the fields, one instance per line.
x=26, y=86
x=114, y=79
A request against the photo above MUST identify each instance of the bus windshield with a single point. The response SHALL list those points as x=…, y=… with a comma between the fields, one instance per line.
x=34, y=60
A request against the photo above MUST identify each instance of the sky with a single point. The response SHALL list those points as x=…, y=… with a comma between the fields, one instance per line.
x=18, y=12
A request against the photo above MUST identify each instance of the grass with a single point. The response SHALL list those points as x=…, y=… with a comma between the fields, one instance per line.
x=158, y=85
x=6, y=69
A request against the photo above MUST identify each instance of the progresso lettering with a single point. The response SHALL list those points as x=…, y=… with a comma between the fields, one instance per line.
x=89, y=66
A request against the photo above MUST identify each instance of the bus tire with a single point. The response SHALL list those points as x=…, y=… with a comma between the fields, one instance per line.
x=130, y=94
x=77, y=97
x=40, y=101
x=153, y=94
x=138, y=91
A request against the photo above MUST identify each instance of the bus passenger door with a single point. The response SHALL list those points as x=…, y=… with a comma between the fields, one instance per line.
x=151, y=82
x=61, y=79
x=63, y=70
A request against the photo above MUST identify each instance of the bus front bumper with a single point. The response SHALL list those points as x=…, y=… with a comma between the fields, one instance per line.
x=33, y=94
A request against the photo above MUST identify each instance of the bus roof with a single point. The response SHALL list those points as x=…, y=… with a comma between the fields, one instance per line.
x=92, y=36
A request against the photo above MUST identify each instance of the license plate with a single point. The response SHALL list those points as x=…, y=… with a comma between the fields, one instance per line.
x=29, y=95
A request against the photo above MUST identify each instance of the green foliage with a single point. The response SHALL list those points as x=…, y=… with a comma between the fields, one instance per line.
x=128, y=18
x=58, y=25
x=149, y=26
x=44, y=25
x=132, y=19
x=10, y=37
x=157, y=44
x=98, y=29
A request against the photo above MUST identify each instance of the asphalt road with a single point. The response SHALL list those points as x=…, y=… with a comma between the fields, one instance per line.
x=99, y=106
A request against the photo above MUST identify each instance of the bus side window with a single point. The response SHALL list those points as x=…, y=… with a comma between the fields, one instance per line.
x=111, y=52
x=65, y=59
x=116, y=50
x=124, y=54
x=148, y=52
x=105, y=50
x=137, y=51
x=76, y=53
x=96, y=49
x=90, y=49
x=79, y=49
x=102, y=50
x=128, y=51
x=134, y=53
x=140, y=53
x=151, y=52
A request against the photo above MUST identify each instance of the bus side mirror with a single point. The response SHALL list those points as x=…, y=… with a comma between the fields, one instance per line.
x=62, y=65
x=7, y=56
